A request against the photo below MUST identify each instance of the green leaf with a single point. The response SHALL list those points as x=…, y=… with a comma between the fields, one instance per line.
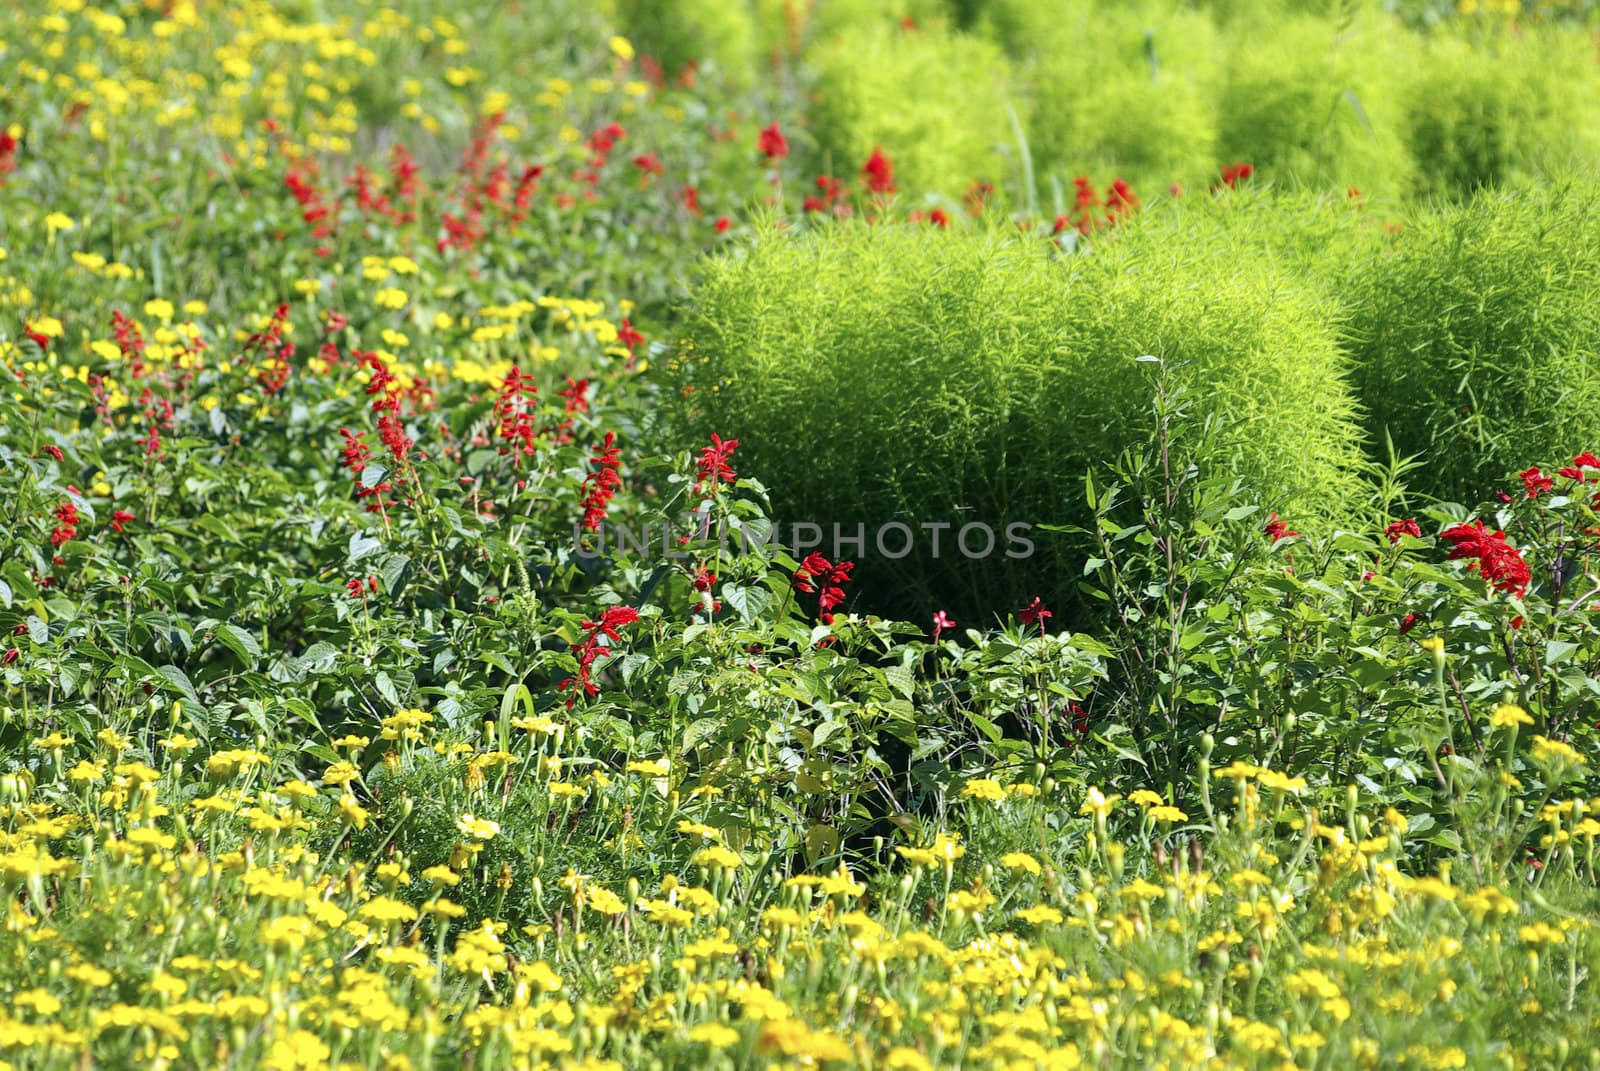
x=395, y=572
x=1557, y=651
x=240, y=643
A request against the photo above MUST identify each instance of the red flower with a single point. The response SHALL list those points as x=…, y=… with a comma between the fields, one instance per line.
x=592, y=647
x=773, y=145
x=1278, y=529
x=10, y=656
x=712, y=468
x=602, y=485
x=722, y=224
x=120, y=518
x=1536, y=482
x=1035, y=611
x=1407, y=527
x=941, y=621
x=703, y=580
x=53, y=451
x=830, y=577
x=1498, y=562
x=628, y=336
x=939, y=218
x=355, y=587
x=67, y=521
x=879, y=173
x=1237, y=173
x=1407, y=623
x=1585, y=460
x=1079, y=716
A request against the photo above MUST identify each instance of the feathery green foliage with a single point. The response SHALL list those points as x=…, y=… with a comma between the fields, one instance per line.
x=721, y=33
x=1476, y=338
x=936, y=102
x=875, y=374
x=1129, y=92
x=1481, y=112
x=1314, y=102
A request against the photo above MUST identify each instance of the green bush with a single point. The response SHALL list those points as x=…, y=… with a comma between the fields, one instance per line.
x=1125, y=92
x=1484, y=112
x=716, y=33
x=1476, y=337
x=935, y=102
x=1315, y=102
x=874, y=374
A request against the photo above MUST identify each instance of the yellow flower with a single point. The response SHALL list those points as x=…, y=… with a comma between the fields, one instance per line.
x=58, y=221
x=1097, y=803
x=604, y=900
x=1508, y=716
x=1434, y=644
x=385, y=909
x=1168, y=814
x=353, y=812
x=1020, y=861
x=1554, y=752
x=477, y=828
x=159, y=308
x=984, y=788
x=621, y=47
x=714, y=1035
x=717, y=856
x=390, y=298
x=1040, y=915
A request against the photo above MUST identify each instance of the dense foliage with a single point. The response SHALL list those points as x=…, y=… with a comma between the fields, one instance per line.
x=409, y=659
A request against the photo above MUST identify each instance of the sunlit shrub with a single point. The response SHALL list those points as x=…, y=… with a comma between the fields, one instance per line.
x=1484, y=112
x=937, y=103
x=875, y=374
x=1314, y=102
x=1476, y=340
x=677, y=33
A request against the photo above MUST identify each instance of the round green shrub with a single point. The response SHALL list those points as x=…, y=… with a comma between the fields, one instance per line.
x=719, y=34
x=1315, y=102
x=935, y=102
x=1128, y=92
x=875, y=374
x=1475, y=336
x=1487, y=111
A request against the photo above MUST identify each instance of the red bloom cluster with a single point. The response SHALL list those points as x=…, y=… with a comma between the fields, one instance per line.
x=818, y=576
x=67, y=521
x=772, y=144
x=712, y=468
x=1535, y=482
x=1574, y=471
x=8, y=154
x=1091, y=210
x=1278, y=529
x=1498, y=562
x=941, y=621
x=514, y=411
x=358, y=589
x=1035, y=611
x=593, y=647
x=630, y=337
x=600, y=486
x=120, y=519
x=1407, y=527
x=879, y=173
x=1232, y=176
x=829, y=197
x=300, y=178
